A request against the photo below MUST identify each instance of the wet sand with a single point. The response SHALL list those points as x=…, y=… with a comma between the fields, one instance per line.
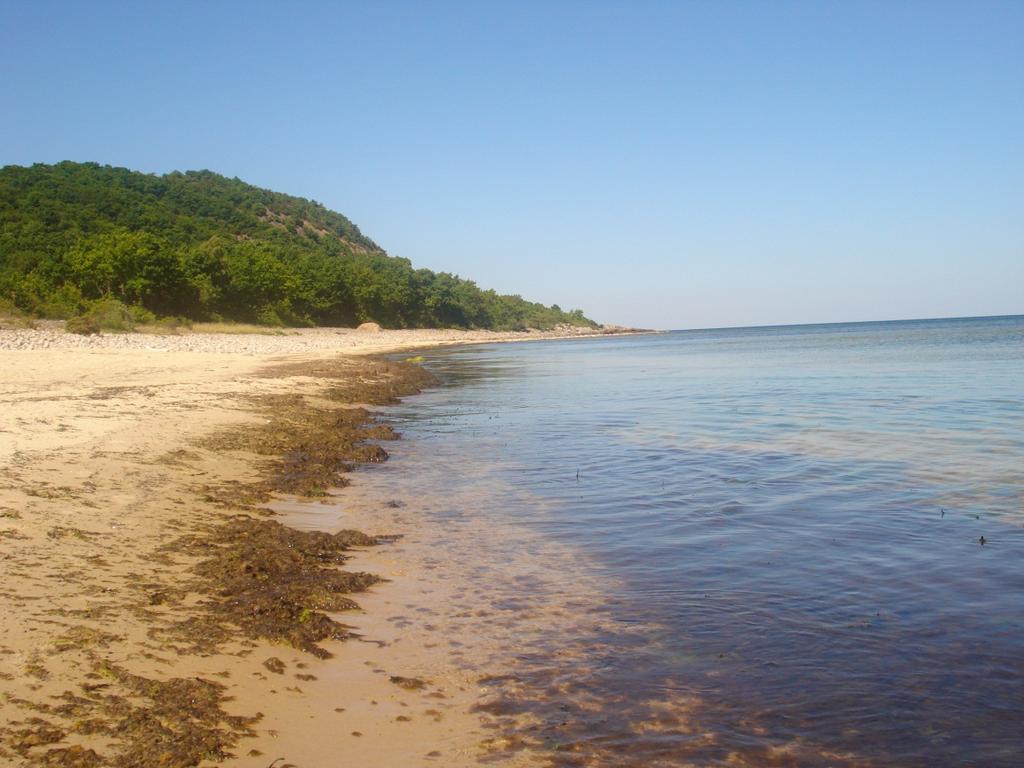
x=120, y=469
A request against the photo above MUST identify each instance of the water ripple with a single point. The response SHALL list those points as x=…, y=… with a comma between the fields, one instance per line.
x=801, y=511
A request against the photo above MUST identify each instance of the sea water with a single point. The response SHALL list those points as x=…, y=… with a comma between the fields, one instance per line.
x=821, y=526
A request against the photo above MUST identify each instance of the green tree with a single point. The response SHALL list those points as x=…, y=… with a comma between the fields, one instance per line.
x=202, y=245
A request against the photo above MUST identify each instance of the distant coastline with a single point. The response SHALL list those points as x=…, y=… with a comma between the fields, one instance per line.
x=776, y=326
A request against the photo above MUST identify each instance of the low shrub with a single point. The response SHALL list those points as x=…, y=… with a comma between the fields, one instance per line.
x=109, y=315
x=63, y=303
x=82, y=325
x=112, y=315
x=140, y=315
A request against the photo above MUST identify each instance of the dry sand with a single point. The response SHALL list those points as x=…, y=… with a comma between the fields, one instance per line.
x=101, y=464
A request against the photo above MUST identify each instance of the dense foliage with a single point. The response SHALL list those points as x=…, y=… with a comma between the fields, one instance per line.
x=202, y=246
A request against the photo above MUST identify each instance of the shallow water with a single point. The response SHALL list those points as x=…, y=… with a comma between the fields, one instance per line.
x=794, y=512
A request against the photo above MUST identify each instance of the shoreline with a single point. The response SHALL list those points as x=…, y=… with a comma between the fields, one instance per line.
x=107, y=460
x=50, y=334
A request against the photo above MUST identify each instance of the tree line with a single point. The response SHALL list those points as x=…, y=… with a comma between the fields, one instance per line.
x=201, y=246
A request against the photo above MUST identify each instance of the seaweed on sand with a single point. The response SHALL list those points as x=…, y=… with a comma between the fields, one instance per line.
x=273, y=582
x=174, y=723
x=278, y=584
x=310, y=448
x=369, y=381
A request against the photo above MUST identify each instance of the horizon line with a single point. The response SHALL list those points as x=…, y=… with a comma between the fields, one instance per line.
x=845, y=322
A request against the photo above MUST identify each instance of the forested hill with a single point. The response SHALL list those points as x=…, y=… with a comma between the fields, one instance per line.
x=202, y=246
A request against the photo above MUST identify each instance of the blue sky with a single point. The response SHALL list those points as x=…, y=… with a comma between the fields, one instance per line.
x=670, y=164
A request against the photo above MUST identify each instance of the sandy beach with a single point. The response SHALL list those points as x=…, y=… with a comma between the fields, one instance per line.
x=125, y=461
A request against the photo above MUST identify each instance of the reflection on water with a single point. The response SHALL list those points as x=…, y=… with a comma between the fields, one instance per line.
x=796, y=511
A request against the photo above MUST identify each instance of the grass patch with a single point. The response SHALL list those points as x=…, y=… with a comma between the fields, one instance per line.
x=165, y=326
